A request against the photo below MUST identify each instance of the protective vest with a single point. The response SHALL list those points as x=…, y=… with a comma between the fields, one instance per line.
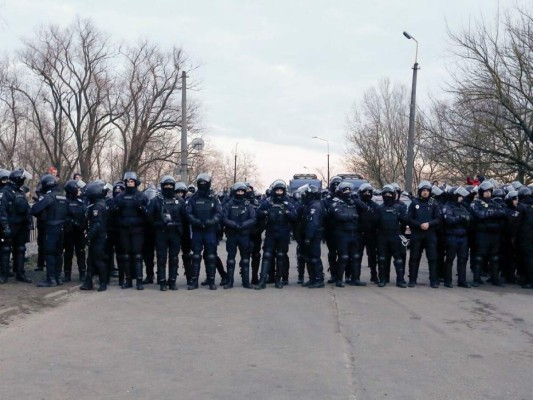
x=56, y=213
x=390, y=222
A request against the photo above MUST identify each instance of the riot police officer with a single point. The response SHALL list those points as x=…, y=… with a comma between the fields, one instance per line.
x=488, y=217
x=204, y=214
x=74, y=228
x=526, y=234
x=423, y=217
x=344, y=213
x=367, y=233
x=279, y=213
x=167, y=214
x=15, y=221
x=255, y=236
x=238, y=218
x=313, y=214
x=51, y=209
x=131, y=208
x=96, y=221
x=391, y=223
x=186, y=245
x=510, y=242
x=457, y=219
x=329, y=229
x=149, y=241
x=112, y=246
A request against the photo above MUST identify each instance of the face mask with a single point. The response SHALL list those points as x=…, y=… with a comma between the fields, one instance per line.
x=388, y=200
x=168, y=192
x=367, y=196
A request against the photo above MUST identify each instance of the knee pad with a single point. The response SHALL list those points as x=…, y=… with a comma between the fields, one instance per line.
x=210, y=259
x=231, y=263
x=137, y=257
x=344, y=258
x=267, y=255
x=196, y=258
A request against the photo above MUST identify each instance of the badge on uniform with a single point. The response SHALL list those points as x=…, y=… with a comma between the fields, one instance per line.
x=485, y=205
x=95, y=213
x=417, y=206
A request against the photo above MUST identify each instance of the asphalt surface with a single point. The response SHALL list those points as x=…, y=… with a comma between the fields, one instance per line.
x=294, y=343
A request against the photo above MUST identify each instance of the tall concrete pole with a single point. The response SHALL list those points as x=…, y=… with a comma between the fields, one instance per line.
x=411, y=134
x=183, y=156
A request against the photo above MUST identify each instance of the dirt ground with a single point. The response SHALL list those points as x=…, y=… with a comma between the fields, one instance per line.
x=27, y=296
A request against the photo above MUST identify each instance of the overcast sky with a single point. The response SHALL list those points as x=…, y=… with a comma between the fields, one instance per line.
x=275, y=73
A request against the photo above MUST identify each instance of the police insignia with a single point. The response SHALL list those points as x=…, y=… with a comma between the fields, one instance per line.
x=417, y=206
x=95, y=213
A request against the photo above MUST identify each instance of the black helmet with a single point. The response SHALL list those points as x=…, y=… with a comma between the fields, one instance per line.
x=333, y=183
x=313, y=193
x=498, y=193
x=512, y=195
x=485, y=186
x=118, y=187
x=133, y=176
x=94, y=191
x=524, y=193
x=167, y=180
x=48, y=182
x=424, y=185
x=344, y=189
x=4, y=174
x=180, y=187
x=238, y=186
x=18, y=177
x=278, y=184
x=388, y=189
x=203, y=182
x=71, y=188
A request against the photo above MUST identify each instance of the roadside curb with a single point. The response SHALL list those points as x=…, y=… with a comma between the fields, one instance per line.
x=9, y=311
x=55, y=295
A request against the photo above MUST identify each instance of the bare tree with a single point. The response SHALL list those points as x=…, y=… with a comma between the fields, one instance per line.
x=492, y=111
x=73, y=66
x=150, y=107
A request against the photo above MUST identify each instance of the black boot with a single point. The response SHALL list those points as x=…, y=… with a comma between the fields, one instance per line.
x=48, y=282
x=88, y=282
x=163, y=286
x=400, y=273
x=374, y=276
x=223, y=274
x=279, y=283
x=102, y=287
x=245, y=270
x=210, y=266
x=139, y=272
x=4, y=264
x=230, y=273
x=195, y=273
x=172, y=285
x=265, y=269
x=382, y=275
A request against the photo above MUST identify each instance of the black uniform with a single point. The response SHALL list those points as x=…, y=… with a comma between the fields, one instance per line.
x=15, y=222
x=312, y=231
x=52, y=209
x=131, y=209
x=391, y=222
x=526, y=240
x=238, y=218
x=96, y=216
x=74, y=238
x=488, y=217
x=421, y=211
x=368, y=237
x=167, y=215
x=457, y=219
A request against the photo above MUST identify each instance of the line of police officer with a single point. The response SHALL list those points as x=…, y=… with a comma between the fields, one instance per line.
x=130, y=224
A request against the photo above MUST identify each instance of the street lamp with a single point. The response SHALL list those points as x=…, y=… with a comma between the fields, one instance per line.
x=411, y=134
x=327, y=141
x=183, y=156
x=235, y=167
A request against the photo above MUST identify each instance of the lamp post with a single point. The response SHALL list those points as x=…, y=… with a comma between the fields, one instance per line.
x=235, y=166
x=411, y=134
x=183, y=156
x=327, y=141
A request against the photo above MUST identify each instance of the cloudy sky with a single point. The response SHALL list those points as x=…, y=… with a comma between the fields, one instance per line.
x=274, y=73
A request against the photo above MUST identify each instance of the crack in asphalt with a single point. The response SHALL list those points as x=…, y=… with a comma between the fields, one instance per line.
x=350, y=354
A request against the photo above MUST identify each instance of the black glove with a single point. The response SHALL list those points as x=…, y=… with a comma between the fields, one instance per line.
x=307, y=242
x=209, y=222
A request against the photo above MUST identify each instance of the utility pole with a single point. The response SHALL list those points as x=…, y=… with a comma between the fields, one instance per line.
x=411, y=135
x=235, y=166
x=183, y=156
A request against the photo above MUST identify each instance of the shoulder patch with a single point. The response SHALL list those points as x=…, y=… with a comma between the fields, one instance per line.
x=95, y=213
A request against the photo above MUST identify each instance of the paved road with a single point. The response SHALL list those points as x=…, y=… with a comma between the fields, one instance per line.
x=295, y=343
